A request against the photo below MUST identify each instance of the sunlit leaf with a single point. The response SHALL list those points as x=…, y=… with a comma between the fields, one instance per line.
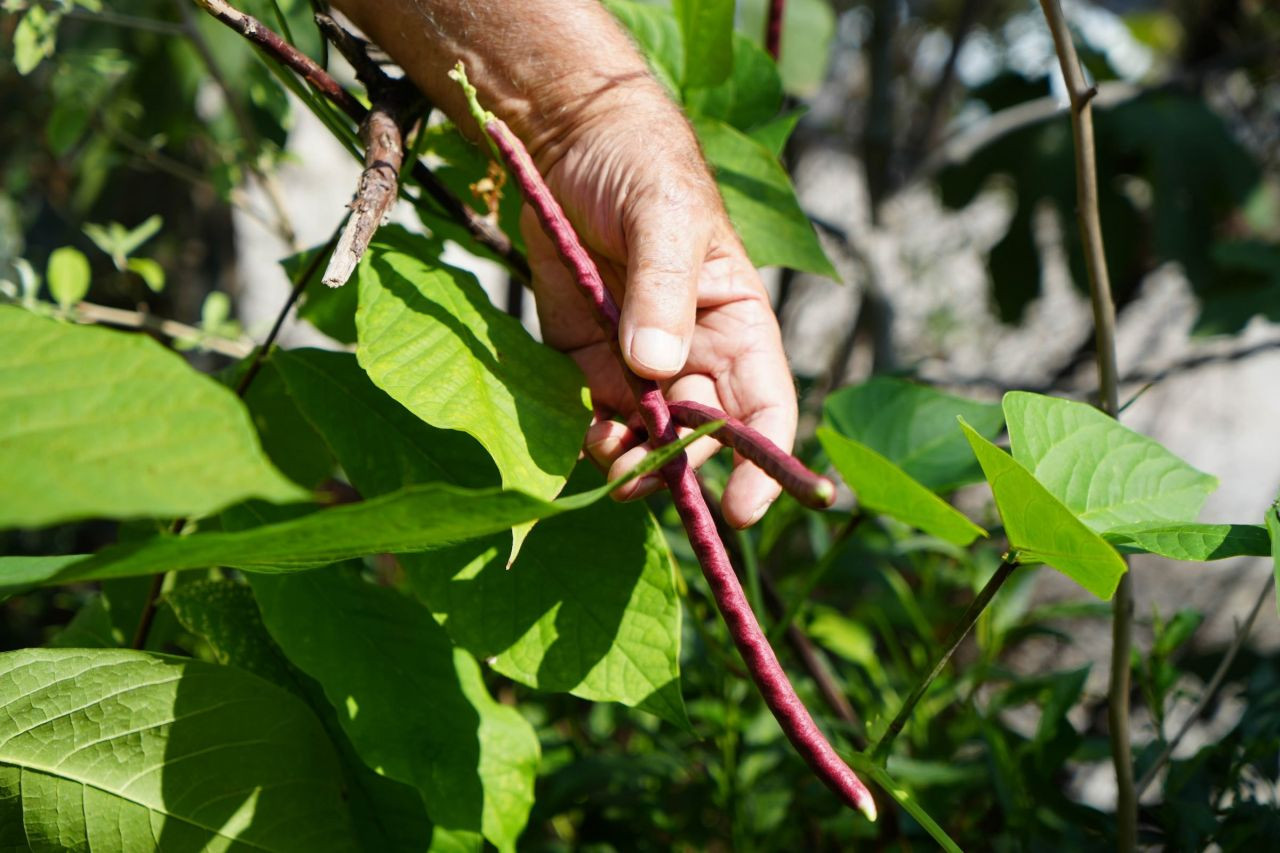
x=553, y=621
x=1040, y=528
x=761, y=201
x=706, y=27
x=883, y=487
x=112, y=749
x=68, y=276
x=413, y=705
x=914, y=426
x=99, y=423
x=416, y=518
x=1192, y=542
x=1105, y=473
x=431, y=339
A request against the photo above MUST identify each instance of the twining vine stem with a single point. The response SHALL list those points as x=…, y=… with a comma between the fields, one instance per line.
x=967, y=620
x=1104, y=323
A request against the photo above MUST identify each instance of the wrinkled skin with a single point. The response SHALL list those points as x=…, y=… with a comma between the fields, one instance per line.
x=623, y=162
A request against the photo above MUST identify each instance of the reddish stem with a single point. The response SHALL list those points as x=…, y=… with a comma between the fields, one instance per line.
x=761, y=662
x=812, y=490
x=773, y=28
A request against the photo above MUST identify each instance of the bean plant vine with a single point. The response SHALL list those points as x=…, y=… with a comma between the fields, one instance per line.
x=346, y=607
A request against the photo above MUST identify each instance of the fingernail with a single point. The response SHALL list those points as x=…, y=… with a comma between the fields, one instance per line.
x=643, y=487
x=656, y=349
x=757, y=515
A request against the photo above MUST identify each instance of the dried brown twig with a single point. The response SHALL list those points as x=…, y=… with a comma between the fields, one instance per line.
x=396, y=106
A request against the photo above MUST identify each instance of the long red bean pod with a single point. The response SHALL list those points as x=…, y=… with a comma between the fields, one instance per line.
x=761, y=662
x=811, y=489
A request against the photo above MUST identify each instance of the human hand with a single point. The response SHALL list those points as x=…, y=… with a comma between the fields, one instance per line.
x=695, y=315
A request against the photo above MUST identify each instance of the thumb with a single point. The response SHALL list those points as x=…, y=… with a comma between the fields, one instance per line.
x=666, y=245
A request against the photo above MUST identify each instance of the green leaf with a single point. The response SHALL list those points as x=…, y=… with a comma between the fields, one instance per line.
x=1040, y=528
x=774, y=134
x=214, y=312
x=385, y=448
x=914, y=427
x=1273, y=529
x=386, y=814
x=706, y=27
x=658, y=34
x=1105, y=473
x=120, y=242
x=34, y=38
x=417, y=518
x=100, y=423
x=414, y=707
x=1192, y=542
x=553, y=621
x=68, y=276
x=126, y=750
x=808, y=27
x=560, y=620
x=883, y=487
x=760, y=200
x=151, y=273
x=749, y=99
x=287, y=437
x=431, y=339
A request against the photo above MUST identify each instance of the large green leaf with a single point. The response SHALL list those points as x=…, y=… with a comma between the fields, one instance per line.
x=1040, y=528
x=386, y=815
x=554, y=621
x=591, y=608
x=1107, y=474
x=749, y=99
x=914, y=426
x=413, y=519
x=1192, y=542
x=122, y=750
x=386, y=447
x=414, y=706
x=100, y=423
x=416, y=518
x=706, y=27
x=431, y=339
x=761, y=202
x=883, y=487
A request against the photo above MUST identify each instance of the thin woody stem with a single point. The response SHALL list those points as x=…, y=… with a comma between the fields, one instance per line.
x=1104, y=322
x=967, y=620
